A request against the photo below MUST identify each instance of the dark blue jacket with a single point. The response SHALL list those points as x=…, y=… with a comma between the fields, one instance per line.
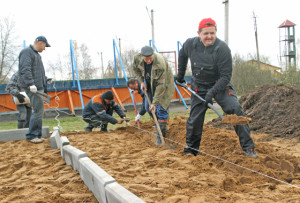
x=31, y=69
x=97, y=106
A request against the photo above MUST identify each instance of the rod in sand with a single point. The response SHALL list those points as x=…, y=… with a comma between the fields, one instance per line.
x=155, y=120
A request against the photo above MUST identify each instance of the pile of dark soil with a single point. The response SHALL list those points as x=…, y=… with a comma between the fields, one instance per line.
x=274, y=109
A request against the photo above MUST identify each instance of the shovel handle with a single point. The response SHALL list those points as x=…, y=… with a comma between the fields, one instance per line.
x=43, y=94
x=155, y=120
x=184, y=85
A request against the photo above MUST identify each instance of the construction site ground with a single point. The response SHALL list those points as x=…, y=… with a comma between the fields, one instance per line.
x=221, y=172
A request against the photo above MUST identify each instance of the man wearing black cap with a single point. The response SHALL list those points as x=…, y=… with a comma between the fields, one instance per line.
x=156, y=78
x=211, y=64
x=32, y=79
x=99, y=110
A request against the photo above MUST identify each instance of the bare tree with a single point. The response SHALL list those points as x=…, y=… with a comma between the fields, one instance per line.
x=86, y=67
x=127, y=60
x=61, y=68
x=8, y=48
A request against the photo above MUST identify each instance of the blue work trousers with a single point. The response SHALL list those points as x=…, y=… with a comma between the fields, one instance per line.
x=161, y=113
x=36, y=119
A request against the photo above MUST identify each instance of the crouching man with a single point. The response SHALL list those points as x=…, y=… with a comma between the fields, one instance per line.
x=99, y=110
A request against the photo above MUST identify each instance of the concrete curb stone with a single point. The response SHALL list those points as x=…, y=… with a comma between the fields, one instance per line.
x=72, y=156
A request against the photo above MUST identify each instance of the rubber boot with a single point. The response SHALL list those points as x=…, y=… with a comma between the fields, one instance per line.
x=21, y=124
x=104, y=128
x=89, y=128
x=163, y=127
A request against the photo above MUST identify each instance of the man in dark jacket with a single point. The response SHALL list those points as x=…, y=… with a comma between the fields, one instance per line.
x=25, y=108
x=99, y=110
x=32, y=80
x=211, y=64
x=134, y=84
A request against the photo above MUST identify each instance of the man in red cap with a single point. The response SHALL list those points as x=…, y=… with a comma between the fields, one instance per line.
x=211, y=64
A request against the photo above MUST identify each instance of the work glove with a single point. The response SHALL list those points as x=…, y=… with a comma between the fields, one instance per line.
x=138, y=117
x=208, y=98
x=21, y=98
x=180, y=79
x=49, y=80
x=33, y=88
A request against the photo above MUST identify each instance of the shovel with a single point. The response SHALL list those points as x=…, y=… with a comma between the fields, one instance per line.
x=232, y=119
x=156, y=122
x=48, y=97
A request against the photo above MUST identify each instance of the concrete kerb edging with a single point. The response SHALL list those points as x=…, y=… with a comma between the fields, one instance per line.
x=104, y=187
x=19, y=134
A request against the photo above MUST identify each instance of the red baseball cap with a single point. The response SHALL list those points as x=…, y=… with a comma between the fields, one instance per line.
x=207, y=22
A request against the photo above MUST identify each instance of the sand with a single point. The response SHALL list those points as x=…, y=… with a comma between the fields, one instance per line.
x=36, y=173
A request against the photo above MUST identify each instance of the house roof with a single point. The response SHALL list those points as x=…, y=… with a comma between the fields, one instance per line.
x=265, y=64
x=286, y=23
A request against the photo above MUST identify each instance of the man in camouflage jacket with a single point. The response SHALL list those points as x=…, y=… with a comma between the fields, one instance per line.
x=156, y=78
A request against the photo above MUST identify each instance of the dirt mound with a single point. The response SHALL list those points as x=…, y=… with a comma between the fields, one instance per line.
x=274, y=109
x=233, y=119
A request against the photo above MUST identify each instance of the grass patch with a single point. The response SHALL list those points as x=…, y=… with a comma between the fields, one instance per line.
x=76, y=123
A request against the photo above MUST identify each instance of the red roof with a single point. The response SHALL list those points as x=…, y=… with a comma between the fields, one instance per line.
x=287, y=23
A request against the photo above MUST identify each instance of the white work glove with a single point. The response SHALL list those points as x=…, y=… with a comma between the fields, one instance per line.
x=33, y=88
x=138, y=117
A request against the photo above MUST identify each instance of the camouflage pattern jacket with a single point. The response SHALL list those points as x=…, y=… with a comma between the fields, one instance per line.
x=162, y=79
x=12, y=86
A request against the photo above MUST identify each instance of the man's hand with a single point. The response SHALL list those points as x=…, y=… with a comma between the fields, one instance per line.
x=143, y=86
x=180, y=80
x=21, y=98
x=33, y=88
x=208, y=98
x=152, y=108
x=138, y=117
x=120, y=121
x=126, y=119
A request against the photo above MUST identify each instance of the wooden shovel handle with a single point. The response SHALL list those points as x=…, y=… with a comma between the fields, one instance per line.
x=155, y=120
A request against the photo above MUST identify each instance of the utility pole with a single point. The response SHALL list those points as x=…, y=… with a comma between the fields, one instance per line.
x=152, y=25
x=120, y=46
x=102, y=66
x=226, y=39
x=255, y=30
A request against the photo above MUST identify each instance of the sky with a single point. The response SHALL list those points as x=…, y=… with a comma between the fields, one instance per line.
x=96, y=23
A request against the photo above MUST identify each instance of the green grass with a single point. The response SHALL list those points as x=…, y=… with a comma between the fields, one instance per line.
x=76, y=123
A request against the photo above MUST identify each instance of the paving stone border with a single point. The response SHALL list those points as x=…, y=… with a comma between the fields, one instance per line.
x=104, y=187
x=19, y=134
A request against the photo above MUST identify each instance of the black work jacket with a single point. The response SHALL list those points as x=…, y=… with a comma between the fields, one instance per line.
x=211, y=66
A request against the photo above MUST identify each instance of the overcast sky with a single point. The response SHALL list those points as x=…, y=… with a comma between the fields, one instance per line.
x=96, y=23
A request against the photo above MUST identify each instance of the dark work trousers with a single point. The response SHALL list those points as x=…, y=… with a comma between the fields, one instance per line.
x=24, y=115
x=227, y=99
x=95, y=121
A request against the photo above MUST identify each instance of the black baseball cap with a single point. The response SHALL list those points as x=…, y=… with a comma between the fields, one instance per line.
x=147, y=51
x=43, y=39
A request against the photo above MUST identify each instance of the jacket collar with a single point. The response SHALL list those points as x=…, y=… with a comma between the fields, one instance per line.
x=33, y=49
